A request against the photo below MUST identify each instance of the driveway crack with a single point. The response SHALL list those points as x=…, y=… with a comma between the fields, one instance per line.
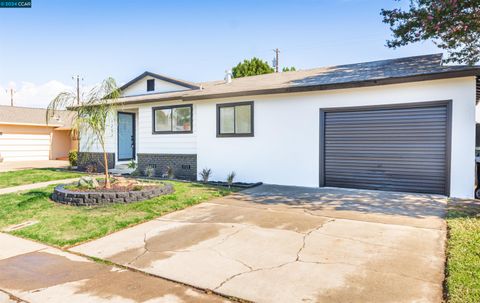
x=308, y=234
x=251, y=271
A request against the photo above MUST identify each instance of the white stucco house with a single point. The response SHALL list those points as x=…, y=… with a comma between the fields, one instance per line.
x=403, y=124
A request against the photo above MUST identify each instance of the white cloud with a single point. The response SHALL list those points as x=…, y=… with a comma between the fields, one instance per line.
x=30, y=94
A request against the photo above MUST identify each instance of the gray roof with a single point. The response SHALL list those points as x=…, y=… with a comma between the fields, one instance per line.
x=34, y=116
x=408, y=69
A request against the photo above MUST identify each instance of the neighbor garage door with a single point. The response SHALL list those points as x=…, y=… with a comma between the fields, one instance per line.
x=398, y=148
x=24, y=146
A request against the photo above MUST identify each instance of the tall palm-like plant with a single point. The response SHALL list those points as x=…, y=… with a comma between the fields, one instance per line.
x=93, y=111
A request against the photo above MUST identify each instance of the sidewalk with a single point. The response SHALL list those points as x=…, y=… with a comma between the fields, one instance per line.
x=35, y=272
x=14, y=189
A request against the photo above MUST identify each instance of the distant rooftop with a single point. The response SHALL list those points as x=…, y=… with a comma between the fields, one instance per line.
x=34, y=116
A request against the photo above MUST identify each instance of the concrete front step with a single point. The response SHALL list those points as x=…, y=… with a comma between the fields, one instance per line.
x=121, y=169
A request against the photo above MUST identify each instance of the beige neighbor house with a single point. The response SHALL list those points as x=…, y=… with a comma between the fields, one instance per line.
x=25, y=134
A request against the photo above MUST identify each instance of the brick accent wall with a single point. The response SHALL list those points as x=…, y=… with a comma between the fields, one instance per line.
x=86, y=158
x=184, y=165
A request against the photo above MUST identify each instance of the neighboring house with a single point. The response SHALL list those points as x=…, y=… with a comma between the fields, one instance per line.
x=26, y=136
x=404, y=124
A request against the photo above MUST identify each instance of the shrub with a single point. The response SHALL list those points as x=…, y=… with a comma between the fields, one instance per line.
x=132, y=164
x=137, y=188
x=136, y=173
x=205, y=174
x=170, y=174
x=91, y=168
x=150, y=172
x=230, y=178
x=73, y=157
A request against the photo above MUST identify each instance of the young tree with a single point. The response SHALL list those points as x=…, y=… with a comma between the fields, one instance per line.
x=453, y=25
x=251, y=67
x=289, y=69
x=92, y=115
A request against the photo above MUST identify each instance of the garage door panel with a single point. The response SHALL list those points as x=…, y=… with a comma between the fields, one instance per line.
x=402, y=113
x=425, y=170
x=387, y=187
x=39, y=147
x=378, y=120
x=386, y=154
x=24, y=147
x=403, y=149
x=405, y=178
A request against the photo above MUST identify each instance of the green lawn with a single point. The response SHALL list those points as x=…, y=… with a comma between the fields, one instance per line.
x=29, y=176
x=463, y=253
x=63, y=225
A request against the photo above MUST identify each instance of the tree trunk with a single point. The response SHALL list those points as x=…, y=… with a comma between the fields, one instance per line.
x=105, y=162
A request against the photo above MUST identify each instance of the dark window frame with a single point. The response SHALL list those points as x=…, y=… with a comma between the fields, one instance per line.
x=234, y=134
x=169, y=132
x=152, y=82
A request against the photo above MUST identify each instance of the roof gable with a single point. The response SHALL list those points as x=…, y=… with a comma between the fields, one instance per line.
x=186, y=84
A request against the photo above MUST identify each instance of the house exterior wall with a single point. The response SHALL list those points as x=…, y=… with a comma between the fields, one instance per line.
x=285, y=146
x=140, y=87
x=89, y=143
x=164, y=143
x=61, y=144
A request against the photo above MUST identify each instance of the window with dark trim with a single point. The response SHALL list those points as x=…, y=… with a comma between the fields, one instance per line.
x=175, y=119
x=150, y=85
x=235, y=119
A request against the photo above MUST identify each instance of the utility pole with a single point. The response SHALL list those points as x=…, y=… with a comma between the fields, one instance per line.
x=78, y=88
x=277, y=51
x=12, y=91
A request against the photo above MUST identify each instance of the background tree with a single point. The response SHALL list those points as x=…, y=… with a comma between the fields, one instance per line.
x=92, y=116
x=453, y=25
x=289, y=69
x=251, y=67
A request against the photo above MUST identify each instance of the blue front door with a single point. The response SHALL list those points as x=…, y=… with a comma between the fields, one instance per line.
x=126, y=136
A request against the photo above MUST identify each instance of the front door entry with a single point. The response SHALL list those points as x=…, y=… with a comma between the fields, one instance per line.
x=126, y=136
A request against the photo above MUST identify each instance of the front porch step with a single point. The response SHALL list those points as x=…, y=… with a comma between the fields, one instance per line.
x=121, y=169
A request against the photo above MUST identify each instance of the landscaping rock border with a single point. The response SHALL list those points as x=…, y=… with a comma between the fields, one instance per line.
x=79, y=198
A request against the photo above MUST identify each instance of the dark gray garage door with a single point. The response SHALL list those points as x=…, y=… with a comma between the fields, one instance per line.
x=397, y=149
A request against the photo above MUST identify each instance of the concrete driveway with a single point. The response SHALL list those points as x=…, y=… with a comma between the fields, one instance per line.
x=293, y=244
x=36, y=273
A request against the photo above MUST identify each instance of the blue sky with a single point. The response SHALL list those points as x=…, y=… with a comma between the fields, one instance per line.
x=191, y=40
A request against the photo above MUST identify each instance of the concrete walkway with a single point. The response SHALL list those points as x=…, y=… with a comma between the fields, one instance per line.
x=35, y=272
x=293, y=244
x=15, y=189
